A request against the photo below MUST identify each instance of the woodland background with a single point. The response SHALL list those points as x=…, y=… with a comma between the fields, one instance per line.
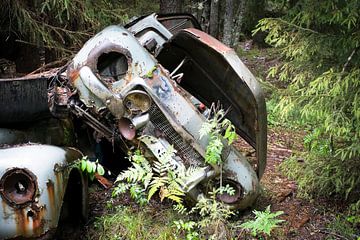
x=305, y=53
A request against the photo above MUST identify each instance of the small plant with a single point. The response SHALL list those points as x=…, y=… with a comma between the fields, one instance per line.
x=136, y=178
x=264, y=223
x=188, y=228
x=144, y=180
x=218, y=128
x=344, y=226
x=210, y=209
x=168, y=180
x=90, y=168
x=213, y=213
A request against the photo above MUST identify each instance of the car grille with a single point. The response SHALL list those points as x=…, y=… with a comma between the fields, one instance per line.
x=190, y=156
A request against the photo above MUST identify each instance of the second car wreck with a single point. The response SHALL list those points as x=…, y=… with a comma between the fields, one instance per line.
x=142, y=80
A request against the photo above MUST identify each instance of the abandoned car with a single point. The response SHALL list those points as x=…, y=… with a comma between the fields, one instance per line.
x=144, y=79
x=35, y=180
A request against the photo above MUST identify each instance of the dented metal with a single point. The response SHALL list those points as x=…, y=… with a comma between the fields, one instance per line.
x=120, y=88
x=33, y=211
x=174, y=120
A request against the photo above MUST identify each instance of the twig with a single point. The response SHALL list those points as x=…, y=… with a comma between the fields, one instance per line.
x=332, y=233
x=294, y=25
x=349, y=59
x=52, y=47
x=46, y=66
x=64, y=29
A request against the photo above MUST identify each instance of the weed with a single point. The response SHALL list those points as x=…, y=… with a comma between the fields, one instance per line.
x=189, y=228
x=344, y=226
x=218, y=129
x=264, y=223
x=127, y=223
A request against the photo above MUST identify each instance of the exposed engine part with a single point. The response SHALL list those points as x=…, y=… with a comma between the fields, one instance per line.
x=92, y=122
x=18, y=187
x=58, y=101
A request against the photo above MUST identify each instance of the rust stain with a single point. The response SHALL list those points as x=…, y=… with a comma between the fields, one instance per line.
x=59, y=184
x=209, y=40
x=30, y=222
x=22, y=222
x=74, y=75
x=38, y=222
x=59, y=193
x=51, y=194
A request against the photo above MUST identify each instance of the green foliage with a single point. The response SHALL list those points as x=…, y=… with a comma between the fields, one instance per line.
x=320, y=42
x=90, y=168
x=213, y=216
x=264, y=223
x=218, y=129
x=344, y=226
x=189, y=228
x=319, y=176
x=60, y=25
x=168, y=180
x=133, y=224
x=144, y=180
x=135, y=179
x=211, y=210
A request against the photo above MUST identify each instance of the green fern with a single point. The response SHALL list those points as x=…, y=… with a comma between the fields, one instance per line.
x=218, y=129
x=168, y=180
x=137, y=178
x=144, y=180
x=320, y=66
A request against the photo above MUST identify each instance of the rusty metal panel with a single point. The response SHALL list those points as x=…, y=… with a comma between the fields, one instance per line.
x=40, y=212
x=213, y=72
x=23, y=99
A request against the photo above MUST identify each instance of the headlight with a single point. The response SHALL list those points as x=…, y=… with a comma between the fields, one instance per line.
x=137, y=101
x=18, y=187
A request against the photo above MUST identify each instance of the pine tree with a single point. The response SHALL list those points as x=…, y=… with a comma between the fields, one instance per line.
x=319, y=42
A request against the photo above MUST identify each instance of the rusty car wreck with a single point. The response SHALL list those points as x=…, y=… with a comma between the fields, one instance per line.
x=126, y=82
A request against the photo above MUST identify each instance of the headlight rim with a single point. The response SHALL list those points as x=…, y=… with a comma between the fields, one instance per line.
x=32, y=184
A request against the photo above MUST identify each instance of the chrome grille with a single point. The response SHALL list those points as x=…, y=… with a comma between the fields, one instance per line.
x=184, y=150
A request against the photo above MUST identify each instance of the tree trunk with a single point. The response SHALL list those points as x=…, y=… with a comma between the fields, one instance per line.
x=205, y=16
x=238, y=23
x=254, y=11
x=171, y=6
x=228, y=22
x=214, y=18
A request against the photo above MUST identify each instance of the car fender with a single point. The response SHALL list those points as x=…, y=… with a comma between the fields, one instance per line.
x=48, y=168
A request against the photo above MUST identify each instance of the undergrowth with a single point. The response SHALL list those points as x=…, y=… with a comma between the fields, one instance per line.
x=134, y=224
x=160, y=177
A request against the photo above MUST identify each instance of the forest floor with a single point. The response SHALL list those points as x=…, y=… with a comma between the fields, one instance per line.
x=304, y=219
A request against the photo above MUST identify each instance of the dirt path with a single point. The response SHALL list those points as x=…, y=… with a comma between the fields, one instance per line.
x=303, y=219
